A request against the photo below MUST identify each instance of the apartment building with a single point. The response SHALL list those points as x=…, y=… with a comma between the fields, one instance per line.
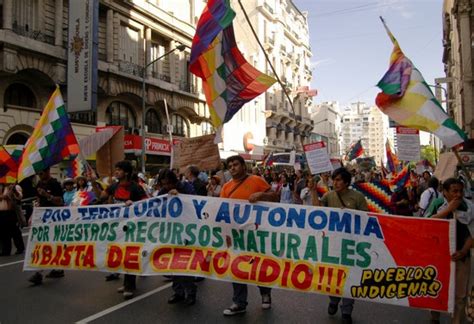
x=327, y=122
x=368, y=123
x=131, y=33
x=269, y=119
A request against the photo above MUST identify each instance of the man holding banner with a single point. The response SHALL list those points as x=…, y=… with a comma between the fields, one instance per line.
x=343, y=197
x=252, y=188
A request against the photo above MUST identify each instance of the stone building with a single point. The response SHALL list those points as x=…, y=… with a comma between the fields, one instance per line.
x=458, y=54
x=33, y=59
x=283, y=30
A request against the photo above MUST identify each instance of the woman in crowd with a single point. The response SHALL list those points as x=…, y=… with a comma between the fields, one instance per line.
x=214, y=187
x=286, y=195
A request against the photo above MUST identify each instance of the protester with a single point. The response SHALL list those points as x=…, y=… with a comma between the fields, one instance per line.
x=9, y=223
x=400, y=202
x=454, y=206
x=343, y=197
x=423, y=184
x=325, y=181
x=308, y=193
x=224, y=174
x=69, y=191
x=49, y=194
x=214, y=188
x=299, y=184
x=252, y=188
x=430, y=194
x=184, y=288
x=191, y=174
x=124, y=191
x=275, y=183
x=286, y=196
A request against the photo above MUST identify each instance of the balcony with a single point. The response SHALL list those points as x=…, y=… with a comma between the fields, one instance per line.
x=187, y=87
x=267, y=6
x=161, y=76
x=269, y=43
x=131, y=68
x=33, y=34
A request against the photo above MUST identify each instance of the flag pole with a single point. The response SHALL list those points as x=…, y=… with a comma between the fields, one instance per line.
x=267, y=59
x=271, y=65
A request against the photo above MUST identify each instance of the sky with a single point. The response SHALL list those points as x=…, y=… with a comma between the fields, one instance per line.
x=351, y=49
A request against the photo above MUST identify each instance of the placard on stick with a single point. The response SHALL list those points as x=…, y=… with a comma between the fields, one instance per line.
x=200, y=151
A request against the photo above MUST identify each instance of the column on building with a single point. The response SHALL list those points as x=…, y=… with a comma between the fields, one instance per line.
x=58, y=27
x=148, y=57
x=110, y=36
x=466, y=54
x=7, y=14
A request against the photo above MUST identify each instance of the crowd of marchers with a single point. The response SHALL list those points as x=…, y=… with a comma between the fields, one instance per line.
x=424, y=197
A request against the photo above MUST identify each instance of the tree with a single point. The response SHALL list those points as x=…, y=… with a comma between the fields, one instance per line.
x=429, y=153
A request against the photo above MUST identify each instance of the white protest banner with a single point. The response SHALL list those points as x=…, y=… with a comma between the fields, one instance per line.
x=317, y=157
x=338, y=252
x=408, y=143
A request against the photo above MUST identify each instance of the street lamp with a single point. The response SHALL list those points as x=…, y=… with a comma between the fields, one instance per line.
x=180, y=48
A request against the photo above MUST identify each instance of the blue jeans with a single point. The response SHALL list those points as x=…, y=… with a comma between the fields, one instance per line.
x=240, y=293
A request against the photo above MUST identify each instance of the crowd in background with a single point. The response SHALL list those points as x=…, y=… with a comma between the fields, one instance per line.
x=425, y=196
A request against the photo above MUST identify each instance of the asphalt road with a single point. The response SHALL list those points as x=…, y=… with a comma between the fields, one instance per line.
x=87, y=298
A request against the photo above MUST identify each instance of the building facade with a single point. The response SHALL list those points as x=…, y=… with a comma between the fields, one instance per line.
x=33, y=59
x=366, y=123
x=269, y=121
x=327, y=122
x=458, y=28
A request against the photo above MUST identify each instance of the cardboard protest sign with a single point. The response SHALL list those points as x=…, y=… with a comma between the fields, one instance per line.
x=110, y=153
x=200, y=151
x=332, y=251
x=317, y=157
x=446, y=167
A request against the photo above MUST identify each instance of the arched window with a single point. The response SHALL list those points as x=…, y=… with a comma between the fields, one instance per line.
x=180, y=126
x=120, y=114
x=17, y=139
x=18, y=94
x=153, y=121
x=207, y=128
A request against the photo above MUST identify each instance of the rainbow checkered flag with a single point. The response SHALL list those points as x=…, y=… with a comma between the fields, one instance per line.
x=408, y=100
x=229, y=81
x=52, y=141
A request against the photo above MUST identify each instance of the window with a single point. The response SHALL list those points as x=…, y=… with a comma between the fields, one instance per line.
x=153, y=121
x=17, y=139
x=25, y=17
x=129, y=45
x=180, y=126
x=207, y=128
x=18, y=94
x=120, y=114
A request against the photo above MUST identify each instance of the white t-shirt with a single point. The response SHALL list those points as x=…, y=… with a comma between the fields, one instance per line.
x=427, y=197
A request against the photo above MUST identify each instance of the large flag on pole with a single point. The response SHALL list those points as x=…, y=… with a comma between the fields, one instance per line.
x=392, y=159
x=407, y=99
x=355, y=151
x=229, y=81
x=52, y=141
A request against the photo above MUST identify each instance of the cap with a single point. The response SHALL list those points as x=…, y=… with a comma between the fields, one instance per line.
x=68, y=180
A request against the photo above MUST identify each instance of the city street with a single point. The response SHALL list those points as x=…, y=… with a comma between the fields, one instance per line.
x=86, y=297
